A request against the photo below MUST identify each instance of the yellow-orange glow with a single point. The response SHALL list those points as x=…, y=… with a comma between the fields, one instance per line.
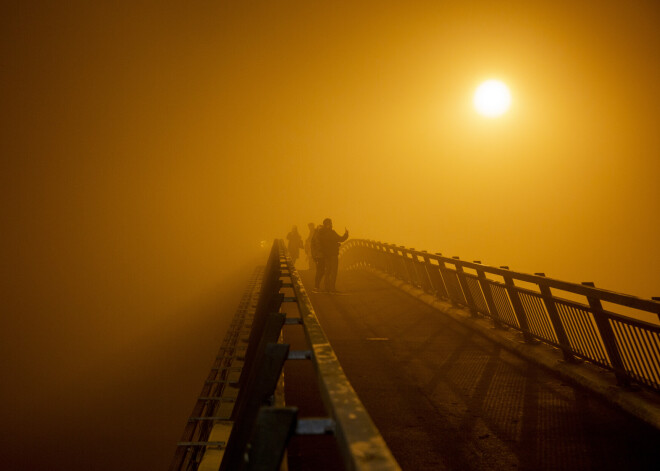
x=149, y=147
x=492, y=98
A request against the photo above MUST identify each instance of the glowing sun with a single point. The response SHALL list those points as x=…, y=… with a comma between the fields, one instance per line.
x=492, y=98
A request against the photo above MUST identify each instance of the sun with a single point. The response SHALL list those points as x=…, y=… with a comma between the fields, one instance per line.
x=492, y=98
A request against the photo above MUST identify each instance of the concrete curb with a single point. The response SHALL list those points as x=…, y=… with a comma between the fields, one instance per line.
x=643, y=404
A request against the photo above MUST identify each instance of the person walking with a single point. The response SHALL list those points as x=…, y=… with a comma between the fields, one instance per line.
x=295, y=244
x=328, y=242
x=319, y=261
x=308, y=245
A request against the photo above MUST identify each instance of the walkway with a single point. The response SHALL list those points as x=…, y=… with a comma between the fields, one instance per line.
x=446, y=398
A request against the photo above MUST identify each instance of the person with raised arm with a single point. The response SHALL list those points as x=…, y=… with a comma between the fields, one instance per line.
x=328, y=242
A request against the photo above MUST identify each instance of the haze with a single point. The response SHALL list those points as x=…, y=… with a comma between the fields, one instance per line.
x=148, y=148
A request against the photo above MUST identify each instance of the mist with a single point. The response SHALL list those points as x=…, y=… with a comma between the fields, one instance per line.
x=148, y=150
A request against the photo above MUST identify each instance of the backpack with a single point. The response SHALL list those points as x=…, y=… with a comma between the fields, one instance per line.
x=316, y=244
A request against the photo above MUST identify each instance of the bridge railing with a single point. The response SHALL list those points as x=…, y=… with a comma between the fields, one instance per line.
x=579, y=319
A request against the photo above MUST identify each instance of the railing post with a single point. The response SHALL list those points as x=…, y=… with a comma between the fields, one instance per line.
x=271, y=304
x=269, y=334
x=550, y=306
x=414, y=268
x=466, y=289
x=609, y=340
x=397, y=263
x=407, y=264
x=518, y=308
x=256, y=394
x=488, y=295
x=382, y=257
x=414, y=262
x=442, y=291
x=273, y=429
x=453, y=285
x=392, y=260
x=424, y=266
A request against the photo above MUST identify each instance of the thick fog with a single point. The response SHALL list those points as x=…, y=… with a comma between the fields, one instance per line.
x=150, y=147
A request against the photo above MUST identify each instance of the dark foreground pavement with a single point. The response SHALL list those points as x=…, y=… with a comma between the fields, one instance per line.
x=446, y=398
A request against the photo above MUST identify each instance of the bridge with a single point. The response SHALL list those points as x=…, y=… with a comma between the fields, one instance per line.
x=428, y=362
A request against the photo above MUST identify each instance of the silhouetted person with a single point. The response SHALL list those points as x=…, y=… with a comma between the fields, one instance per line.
x=317, y=255
x=329, y=242
x=295, y=244
x=308, y=245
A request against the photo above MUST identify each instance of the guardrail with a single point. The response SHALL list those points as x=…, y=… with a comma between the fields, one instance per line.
x=205, y=435
x=258, y=426
x=576, y=318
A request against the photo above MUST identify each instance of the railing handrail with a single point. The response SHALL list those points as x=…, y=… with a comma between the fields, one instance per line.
x=627, y=300
x=628, y=346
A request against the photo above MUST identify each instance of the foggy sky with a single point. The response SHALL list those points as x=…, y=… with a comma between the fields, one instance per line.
x=148, y=147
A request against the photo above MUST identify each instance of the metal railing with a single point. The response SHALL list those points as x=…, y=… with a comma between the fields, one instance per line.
x=258, y=427
x=217, y=397
x=579, y=319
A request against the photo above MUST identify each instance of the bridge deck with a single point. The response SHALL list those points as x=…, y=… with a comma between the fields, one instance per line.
x=446, y=398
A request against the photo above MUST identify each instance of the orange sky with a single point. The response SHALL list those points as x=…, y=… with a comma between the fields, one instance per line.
x=149, y=147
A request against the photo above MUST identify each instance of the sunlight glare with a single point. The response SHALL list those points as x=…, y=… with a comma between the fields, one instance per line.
x=492, y=98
